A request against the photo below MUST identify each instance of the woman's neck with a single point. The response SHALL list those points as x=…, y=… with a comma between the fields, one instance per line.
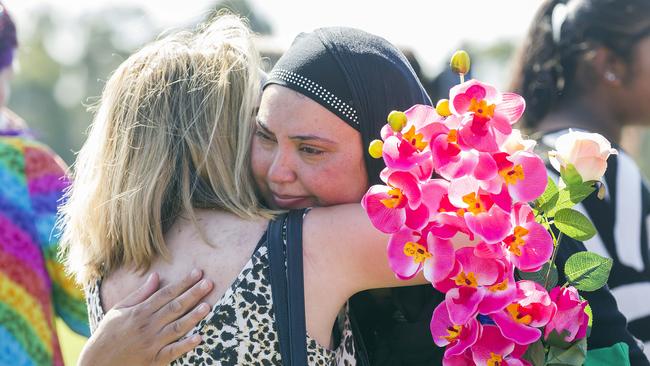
x=582, y=114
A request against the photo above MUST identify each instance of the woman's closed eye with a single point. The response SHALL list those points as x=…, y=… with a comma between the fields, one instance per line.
x=264, y=137
x=310, y=150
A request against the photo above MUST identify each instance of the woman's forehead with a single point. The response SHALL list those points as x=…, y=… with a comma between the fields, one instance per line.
x=283, y=110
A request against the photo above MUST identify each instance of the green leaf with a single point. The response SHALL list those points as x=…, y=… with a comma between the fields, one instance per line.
x=587, y=271
x=574, y=224
x=570, y=175
x=569, y=197
x=557, y=340
x=578, y=193
x=540, y=276
x=535, y=354
x=549, y=198
x=573, y=356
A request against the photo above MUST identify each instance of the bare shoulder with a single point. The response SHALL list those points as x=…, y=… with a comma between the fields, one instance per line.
x=118, y=285
x=218, y=243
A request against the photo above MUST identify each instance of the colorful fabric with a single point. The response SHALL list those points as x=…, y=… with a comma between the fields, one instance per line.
x=33, y=285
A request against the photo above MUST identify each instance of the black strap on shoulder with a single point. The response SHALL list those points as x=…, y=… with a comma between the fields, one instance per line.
x=287, y=287
x=279, y=283
x=295, y=275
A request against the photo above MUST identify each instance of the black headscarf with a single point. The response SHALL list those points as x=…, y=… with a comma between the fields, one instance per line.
x=357, y=76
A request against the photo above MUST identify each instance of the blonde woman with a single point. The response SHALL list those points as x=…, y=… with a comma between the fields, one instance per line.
x=163, y=185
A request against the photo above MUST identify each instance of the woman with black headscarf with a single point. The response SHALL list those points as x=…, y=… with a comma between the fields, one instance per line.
x=359, y=78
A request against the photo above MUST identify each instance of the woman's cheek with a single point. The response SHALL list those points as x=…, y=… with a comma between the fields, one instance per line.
x=259, y=164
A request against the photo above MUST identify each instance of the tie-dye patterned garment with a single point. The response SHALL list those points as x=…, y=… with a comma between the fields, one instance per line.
x=33, y=286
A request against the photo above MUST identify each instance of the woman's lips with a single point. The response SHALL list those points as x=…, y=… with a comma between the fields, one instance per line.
x=290, y=201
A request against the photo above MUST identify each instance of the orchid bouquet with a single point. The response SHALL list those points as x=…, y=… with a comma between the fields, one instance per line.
x=487, y=229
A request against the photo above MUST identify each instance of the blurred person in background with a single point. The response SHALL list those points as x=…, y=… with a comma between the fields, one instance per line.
x=586, y=65
x=33, y=286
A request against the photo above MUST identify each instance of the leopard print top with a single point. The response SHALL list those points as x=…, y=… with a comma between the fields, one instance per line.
x=240, y=328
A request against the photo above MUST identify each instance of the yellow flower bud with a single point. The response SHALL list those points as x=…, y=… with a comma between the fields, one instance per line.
x=443, y=108
x=397, y=120
x=375, y=148
x=460, y=62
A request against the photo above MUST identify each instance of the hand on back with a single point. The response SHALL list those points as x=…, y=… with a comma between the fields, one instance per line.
x=146, y=328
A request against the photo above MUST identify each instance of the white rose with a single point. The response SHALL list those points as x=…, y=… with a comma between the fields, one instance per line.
x=588, y=152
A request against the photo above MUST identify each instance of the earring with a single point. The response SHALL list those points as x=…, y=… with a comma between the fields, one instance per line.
x=610, y=76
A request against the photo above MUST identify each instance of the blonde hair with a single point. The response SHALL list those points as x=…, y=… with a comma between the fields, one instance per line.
x=172, y=133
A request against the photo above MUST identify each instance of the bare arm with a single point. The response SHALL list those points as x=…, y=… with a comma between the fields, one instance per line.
x=348, y=250
x=343, y=254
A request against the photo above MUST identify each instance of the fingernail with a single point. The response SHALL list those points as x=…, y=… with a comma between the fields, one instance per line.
x=196, y=338
x=203, y=308
x=195, y=273
x=204, y=284
x=150, y=278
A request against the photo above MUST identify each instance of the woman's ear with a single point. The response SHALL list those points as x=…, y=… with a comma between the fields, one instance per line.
x=608, y=67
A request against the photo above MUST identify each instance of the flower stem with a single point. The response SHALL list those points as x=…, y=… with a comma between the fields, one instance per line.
x=555, y=250
x=556, y=245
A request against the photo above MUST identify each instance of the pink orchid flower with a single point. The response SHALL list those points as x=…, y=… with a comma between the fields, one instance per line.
x=410, y=147
x=424, y=117
x=463, y=359
x=480, y=165
x=533, y=309
x=446, y=220
x=409, y=252
x=481, y=286
x=483, y=217
x=447, y=157
x=570, y=320
x=493, y=349
x=529, y=245
x=398, y=204
x=522, y=174
x=457, y=337
x=421, y=171
x=406, y=151
x=452, y=159
x=489, y=114
x=501, y=293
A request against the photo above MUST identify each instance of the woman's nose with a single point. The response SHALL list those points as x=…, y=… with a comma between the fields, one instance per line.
x=282, y=169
